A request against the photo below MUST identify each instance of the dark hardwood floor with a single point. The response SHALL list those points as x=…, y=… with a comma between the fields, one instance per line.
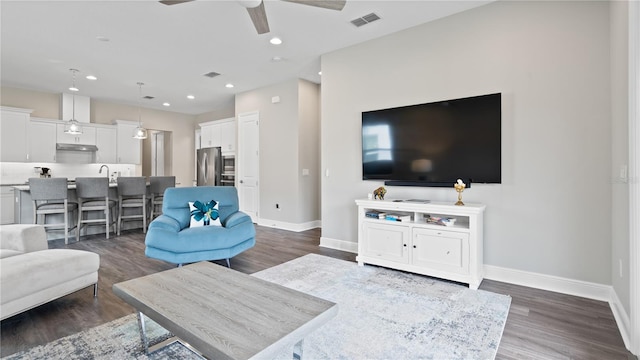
x=541, y=324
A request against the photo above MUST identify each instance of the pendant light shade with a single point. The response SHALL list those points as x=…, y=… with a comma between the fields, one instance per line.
x=72, y=127
x=140, y=132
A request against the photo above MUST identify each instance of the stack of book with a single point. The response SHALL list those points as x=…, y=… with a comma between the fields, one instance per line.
x=375, y=214
x=440, y=220
x=397, y=217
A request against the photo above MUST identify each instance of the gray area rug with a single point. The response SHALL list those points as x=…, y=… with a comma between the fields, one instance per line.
x=383, y=314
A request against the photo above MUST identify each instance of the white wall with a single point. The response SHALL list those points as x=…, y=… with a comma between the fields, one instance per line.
x=550, y=60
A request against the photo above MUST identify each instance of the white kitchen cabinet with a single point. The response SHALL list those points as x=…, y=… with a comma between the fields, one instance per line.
x=42, y=141
x=82, y=108
x=128, y=149
x=106, y=139
x=88, y=136
x=6, y=205
x=13, y=134
x=219, y=133
x=420, y=246
x=228, y=133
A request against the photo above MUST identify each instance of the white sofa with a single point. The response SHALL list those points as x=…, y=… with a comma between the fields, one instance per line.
x=31, y=274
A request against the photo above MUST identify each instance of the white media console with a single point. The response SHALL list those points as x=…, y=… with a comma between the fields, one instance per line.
x=450, y=252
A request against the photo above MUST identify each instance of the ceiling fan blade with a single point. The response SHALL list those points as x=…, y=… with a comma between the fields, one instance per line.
x=174, y=2
x=259, y=17
x=326, y=4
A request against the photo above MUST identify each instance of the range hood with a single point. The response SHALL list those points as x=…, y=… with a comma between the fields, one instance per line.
x=76, y=147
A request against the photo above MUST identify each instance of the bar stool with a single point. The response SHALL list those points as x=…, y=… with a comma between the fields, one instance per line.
x=158, y=184
x=93, y=196
x=132, y=193
x=49, y=197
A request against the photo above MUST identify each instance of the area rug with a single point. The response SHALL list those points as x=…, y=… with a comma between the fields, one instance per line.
x=383, y=314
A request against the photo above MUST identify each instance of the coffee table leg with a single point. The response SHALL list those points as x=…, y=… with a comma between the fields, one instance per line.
x=143, y=333
x=297, y=350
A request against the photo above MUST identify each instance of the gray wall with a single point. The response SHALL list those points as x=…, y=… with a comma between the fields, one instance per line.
x=550, y=60
x=620, y=151
x=286, y=145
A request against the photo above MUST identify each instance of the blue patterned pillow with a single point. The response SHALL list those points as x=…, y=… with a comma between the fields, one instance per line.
x=204, y=214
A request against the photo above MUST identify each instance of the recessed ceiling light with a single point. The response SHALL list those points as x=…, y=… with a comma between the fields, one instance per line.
x=190, y=97
x=276, y=59
x=319, y=72
x=73, y=88
x=275, y=41
x=166, y=104
x=229, y=86
x=91, y=77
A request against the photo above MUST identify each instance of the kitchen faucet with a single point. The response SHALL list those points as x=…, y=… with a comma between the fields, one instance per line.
x=103, y=166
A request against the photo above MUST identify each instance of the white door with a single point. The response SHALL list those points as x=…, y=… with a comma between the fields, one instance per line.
x=157, y=154
x=248, y=163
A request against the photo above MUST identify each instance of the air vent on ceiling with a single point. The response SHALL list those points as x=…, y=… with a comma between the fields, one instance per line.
x=211, y=74
x=365, y=19
x=149, y=97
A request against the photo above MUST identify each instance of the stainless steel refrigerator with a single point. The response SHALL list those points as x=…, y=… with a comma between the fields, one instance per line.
x=209, y=167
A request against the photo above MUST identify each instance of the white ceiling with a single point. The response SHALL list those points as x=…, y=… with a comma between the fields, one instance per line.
x=170, y=48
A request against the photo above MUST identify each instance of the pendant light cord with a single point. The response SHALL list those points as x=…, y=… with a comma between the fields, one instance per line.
x=139, y=110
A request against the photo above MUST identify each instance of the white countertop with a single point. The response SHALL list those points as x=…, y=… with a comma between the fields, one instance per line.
x=25, y=187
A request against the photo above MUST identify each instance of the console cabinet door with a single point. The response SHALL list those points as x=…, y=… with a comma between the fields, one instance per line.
x=440, y=250
x=386, y=241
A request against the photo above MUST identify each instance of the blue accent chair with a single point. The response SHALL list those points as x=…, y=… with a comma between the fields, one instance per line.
x=170, y=238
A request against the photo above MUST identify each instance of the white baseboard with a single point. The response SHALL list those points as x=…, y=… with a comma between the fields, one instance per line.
x=622, y=319
x=562, y=285
x=290, y=226
x=549, y=282
x=339, y=244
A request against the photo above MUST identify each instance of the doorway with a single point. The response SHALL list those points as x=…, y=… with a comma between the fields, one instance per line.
x=157, y=153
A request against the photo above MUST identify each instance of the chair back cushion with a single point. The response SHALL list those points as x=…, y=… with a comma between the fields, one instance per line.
x=176, y=201
x=48, y=188
x=92, y=187
x=132, y=185
x=158, y=184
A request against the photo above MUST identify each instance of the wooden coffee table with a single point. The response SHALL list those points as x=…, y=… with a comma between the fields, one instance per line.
x=225, y=314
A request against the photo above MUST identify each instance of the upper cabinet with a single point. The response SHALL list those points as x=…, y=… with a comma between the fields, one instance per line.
x=106, y=144
x=128, y=149
x=13, y=134
x=88, y=136
x=78, y=107
x=42, y=141
x=219, y=133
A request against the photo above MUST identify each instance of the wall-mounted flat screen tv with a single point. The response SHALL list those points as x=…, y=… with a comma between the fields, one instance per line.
x=434, y=144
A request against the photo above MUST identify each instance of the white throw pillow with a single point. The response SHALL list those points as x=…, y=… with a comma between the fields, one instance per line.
x=204, y=214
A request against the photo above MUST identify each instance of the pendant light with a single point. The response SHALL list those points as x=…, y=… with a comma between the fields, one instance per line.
x=140, y=132
x=72, y=127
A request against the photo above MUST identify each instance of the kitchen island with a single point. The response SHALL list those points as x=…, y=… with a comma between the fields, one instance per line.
x=23, y=211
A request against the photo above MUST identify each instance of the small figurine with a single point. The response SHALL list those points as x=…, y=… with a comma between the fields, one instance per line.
x=379, y=193
x=459, y=186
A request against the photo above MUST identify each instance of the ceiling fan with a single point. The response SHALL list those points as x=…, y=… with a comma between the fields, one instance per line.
x=259, y=16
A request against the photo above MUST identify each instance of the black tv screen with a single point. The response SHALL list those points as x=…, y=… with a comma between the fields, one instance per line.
x=434, y=144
